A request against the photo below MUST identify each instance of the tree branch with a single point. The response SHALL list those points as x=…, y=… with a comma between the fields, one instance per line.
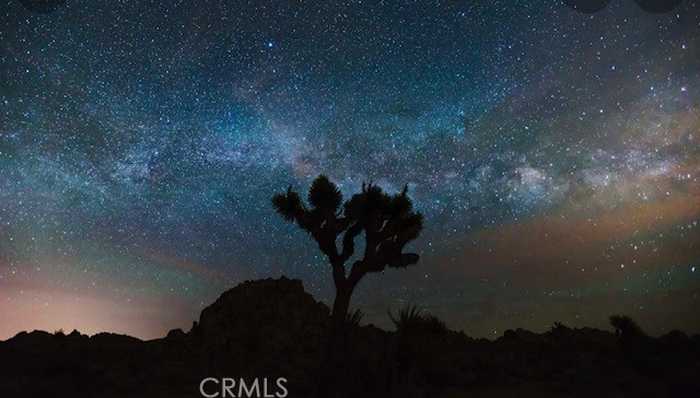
x=349, y=241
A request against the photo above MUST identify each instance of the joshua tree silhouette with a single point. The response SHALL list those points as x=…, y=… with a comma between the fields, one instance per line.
x=387, y=221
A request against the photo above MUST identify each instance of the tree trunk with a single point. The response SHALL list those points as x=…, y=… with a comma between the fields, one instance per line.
x=341, y=304
x=336, y=336
x=335, y=345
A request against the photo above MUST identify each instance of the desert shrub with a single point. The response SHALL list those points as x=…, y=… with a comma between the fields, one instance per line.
x=626, y=327
x=413, y=319
x=353, y=318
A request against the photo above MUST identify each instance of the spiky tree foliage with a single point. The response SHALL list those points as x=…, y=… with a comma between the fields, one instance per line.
x=386, y=222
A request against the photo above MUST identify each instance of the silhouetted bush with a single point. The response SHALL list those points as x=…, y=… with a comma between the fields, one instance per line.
x=625, y=327
x=413, y=319
x=354, y=318
x=559, y=329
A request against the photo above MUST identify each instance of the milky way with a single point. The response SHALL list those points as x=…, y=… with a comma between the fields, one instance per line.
x=555, y=155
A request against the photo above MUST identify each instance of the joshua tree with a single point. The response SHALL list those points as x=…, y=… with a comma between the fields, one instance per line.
x=387, y=221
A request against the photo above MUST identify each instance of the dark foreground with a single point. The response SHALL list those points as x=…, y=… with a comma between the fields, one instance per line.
x=272, y=328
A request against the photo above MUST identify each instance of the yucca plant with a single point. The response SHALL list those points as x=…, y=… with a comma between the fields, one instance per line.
x=354, y=318
x=412, y=319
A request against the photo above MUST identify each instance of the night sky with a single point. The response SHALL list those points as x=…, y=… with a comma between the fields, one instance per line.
x=554, y=154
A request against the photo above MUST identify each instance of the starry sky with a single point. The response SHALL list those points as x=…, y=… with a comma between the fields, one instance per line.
x=555, y=155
